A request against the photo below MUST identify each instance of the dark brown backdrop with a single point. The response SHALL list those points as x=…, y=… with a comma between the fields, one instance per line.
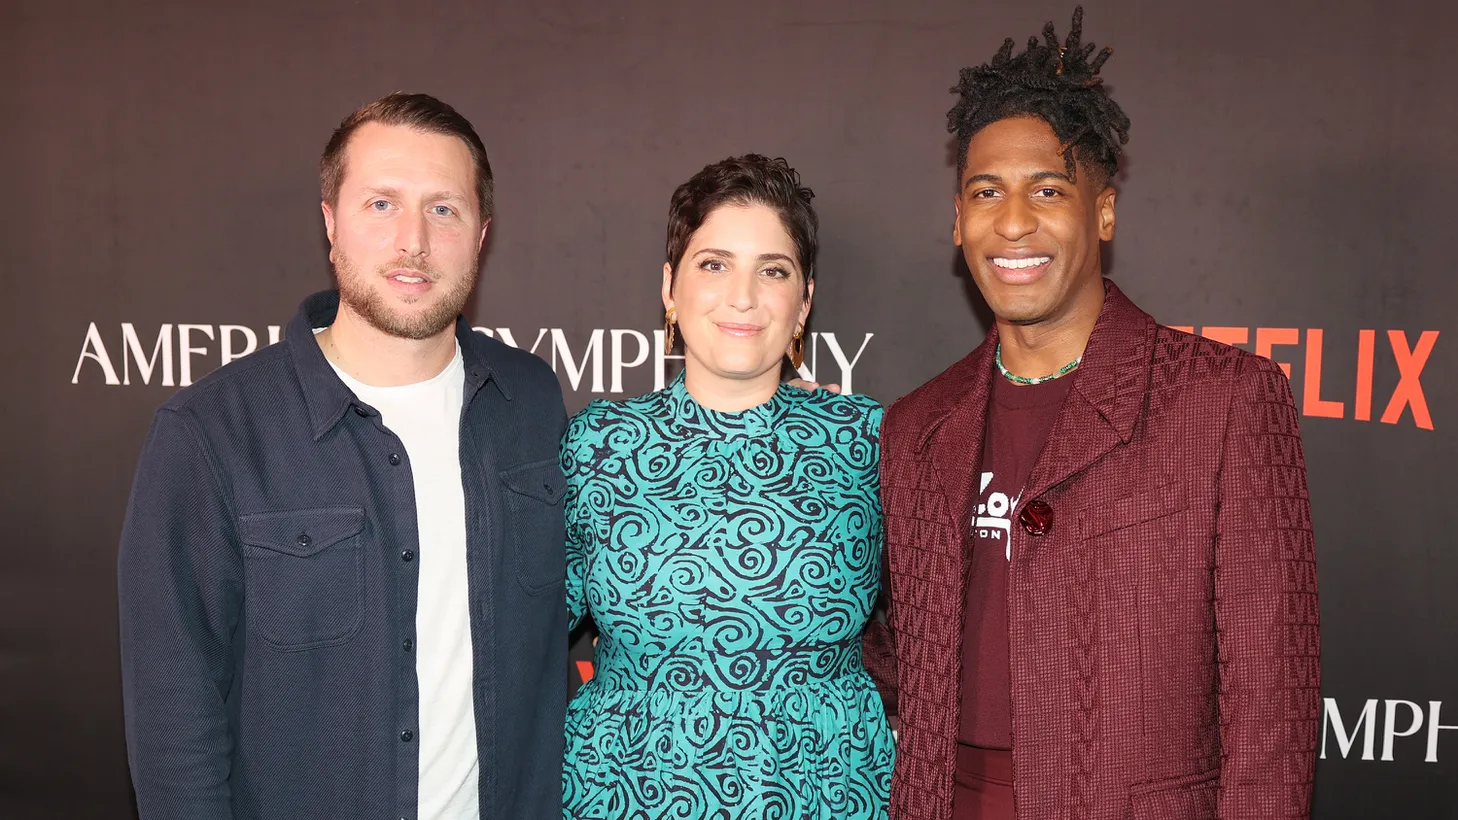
x=1291, y=179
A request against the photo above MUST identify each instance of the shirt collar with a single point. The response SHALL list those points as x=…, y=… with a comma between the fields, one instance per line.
x=328, y=398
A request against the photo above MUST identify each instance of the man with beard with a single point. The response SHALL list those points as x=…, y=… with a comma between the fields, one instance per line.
x=341, y=569
x=1103, y=580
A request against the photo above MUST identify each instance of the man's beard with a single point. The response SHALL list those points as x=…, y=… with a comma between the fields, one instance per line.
x=355, y=293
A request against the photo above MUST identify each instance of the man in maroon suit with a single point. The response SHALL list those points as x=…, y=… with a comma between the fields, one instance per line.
x=1103, y=587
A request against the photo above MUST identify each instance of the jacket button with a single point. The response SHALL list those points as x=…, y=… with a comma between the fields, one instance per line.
x=407, y=556
x=304, y=539
x=1037, y=517
x=407, y=736
x=360, y=411
x=408, y=644
x=394, y=459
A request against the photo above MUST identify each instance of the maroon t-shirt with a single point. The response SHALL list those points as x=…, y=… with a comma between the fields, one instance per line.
x=1019, y=418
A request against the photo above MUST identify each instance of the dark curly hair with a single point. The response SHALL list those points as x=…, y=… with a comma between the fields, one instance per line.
x=752, y=179
x=1056, y=83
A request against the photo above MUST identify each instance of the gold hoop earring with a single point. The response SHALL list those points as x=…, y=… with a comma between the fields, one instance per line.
x=797, y=348
x=668, y=329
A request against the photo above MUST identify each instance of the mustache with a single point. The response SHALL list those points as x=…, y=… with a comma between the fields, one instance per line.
x=409, y=263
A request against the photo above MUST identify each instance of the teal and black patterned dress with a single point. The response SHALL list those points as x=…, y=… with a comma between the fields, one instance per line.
x=731, y=561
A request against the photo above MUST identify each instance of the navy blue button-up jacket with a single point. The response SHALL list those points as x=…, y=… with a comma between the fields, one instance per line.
x=268, y=603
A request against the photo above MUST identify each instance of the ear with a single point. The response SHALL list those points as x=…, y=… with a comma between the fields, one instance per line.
x=667, y=286
x=328, y=226
x=957, y=219
x=481, y=240
x=805, y=308
x=1105, y=205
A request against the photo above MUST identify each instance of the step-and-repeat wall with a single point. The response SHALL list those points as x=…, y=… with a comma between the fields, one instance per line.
x=1290, y=188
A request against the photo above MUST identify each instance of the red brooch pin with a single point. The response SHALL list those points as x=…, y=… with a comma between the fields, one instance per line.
x=1037, y=517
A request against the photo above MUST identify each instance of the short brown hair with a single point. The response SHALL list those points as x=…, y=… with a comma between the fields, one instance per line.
x=421, y=112
x=752, y=179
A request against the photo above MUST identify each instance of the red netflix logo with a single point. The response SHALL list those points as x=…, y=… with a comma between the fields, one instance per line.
x=585, y=671
x=1410, y=359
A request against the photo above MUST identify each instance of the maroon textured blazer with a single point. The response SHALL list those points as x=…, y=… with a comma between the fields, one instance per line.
x=1163, y=629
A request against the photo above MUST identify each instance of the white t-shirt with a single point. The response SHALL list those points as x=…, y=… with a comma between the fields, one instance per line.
x=427, y=418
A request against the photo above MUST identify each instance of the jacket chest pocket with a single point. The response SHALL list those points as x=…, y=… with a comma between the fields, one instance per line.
x=1192, y=797
x=1143, y=508
x=303, y=576
x=535, y=527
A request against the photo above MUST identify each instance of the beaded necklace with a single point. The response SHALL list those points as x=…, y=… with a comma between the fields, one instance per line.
x=1015, y=379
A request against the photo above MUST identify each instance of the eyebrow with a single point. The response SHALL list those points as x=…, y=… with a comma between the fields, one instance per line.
x=433, y=196
x=764, y=257
x=1037, y=176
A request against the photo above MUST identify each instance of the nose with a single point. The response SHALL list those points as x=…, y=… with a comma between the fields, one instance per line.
x=1014, y=219
x=412, y=236
x=743, y=293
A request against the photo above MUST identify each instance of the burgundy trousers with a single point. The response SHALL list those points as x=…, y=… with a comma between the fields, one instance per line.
x=984, y=784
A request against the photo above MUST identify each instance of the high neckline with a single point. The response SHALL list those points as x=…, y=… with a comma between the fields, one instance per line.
x=759, y=420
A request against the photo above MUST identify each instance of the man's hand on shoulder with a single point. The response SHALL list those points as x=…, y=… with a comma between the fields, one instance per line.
x=804, y=385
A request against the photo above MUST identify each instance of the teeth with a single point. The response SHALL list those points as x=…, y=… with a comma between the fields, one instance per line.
x=410, y=280
x=1019, y=264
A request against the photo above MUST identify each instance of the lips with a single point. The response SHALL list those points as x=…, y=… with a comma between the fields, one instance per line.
x=1019, y=269
x=737, y=329
x=409, y=277
x=409, y=283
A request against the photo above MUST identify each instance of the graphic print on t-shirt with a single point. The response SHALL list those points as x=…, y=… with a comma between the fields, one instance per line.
x=993, y=521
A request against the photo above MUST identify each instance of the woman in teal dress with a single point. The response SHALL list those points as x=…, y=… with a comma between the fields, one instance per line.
x=725, y=536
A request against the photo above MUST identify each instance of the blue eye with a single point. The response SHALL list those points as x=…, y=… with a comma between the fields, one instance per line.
x=442, y=210
x=377, y=205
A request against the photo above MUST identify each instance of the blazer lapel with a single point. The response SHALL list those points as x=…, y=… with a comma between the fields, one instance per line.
x=1106, y=397
x=956, y=435
x=1080, y=437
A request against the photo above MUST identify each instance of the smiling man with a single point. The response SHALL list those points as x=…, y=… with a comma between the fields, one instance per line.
x=1102, y=573
x=342, y=566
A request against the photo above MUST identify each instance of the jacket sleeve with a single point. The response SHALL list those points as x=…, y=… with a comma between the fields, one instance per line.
x=878, y=642
x=181, y=597
x=878, y=645
x=1265, y=606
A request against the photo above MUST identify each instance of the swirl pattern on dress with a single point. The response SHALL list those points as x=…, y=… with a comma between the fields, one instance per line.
x=730, y=561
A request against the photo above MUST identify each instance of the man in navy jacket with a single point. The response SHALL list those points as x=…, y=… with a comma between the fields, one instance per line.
x=341, y=570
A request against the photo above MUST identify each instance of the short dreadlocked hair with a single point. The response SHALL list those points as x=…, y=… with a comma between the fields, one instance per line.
x=1058, y=84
